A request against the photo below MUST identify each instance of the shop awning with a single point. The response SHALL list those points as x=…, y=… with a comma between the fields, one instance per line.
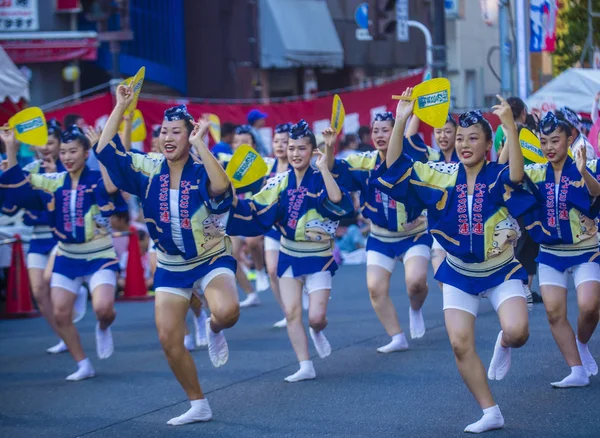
x=35, y=47
x=297, y=33
x=13, y=85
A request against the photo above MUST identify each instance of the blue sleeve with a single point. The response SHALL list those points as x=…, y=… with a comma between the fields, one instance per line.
x=18, y=191
x=215, y=205
x=257, y=215
x=334, y=211
x=394, y=181
x=351, y=179
x=109, y=203
x=126, y=169
x=518, y=198
x=246, y=220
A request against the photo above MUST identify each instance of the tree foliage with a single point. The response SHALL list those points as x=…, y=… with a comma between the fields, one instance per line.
x=572, y=32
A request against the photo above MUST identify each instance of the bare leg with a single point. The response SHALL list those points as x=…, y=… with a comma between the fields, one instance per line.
x=461, y=331
x=378, y=282
x=415, y=269
x=170, y=322
x=272, y=259
x=291, y=295
x=240, y=276
x=62, y=303
x=555, y=301
x=588, y=299
x=256, y=248
x=41, y=292
x=221, y=295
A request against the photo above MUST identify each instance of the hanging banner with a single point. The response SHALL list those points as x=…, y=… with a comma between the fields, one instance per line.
x=317, y=112
x=18, y=16
x=550, y=17
x=536, y=21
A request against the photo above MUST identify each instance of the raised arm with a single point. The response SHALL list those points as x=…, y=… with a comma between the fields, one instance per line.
x=126, y=136
x=333, y=190
x=516, y=162
x=93, y=137
x=329, y=136
x=219, y=182
x=413, y=126
x=591, y=183
x=124, y=98
x=403, y=111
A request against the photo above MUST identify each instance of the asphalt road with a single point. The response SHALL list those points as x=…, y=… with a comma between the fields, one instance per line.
x=358, y=392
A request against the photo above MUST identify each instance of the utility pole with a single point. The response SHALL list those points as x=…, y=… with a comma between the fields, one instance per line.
x=439, y=38
x=522, y=49
x=506, y=87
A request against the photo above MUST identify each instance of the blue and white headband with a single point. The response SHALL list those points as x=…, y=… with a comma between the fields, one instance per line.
x=72, y=133
x=178, y=112
x=300, y=130
x=549, y=123
x=470, y=118
x=283, y=128
x=387, y=116
x=570, y=116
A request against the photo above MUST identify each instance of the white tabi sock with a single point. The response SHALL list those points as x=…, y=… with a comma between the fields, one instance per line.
x=577, y=378
x=85, y=370
x=399, y=343
x=200, y=411
x=590, y=365
x=492, y=419
x=501, y=360
x=306, y=372
x=417, y=324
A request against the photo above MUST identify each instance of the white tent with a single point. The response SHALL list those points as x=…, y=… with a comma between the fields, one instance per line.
x=574, y=88
x=13, y=85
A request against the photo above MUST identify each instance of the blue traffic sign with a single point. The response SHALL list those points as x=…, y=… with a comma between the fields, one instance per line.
x=361, y=15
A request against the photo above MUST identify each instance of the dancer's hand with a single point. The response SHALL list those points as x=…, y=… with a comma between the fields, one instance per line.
x=405, y=107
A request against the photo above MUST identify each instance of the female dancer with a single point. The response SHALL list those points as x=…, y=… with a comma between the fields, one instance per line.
x=185, y=206
x=565, y=228
x=243, y=135
x=305, y=205
x=467, y=212
x=277, y=165
x=445, y=138
x=42, y=240
x=78, y=204
x=398, y=231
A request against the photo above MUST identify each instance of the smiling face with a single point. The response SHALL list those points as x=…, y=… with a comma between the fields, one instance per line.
x=445, y=137
x=299, y=153
x=51, y=149
x=555, y=145
x=73, y=156
x=381, y=134
x=471, y=145
x=174, y=140
x=280, y=145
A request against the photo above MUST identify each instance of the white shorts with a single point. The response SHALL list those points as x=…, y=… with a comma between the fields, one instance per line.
x=436, y=246
x=201, y=283
x=581, y=273
x=104, y=276
x=312, y=282
x=37, y=261
x=388, y=263
x=455, y=298
x=271, y=244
